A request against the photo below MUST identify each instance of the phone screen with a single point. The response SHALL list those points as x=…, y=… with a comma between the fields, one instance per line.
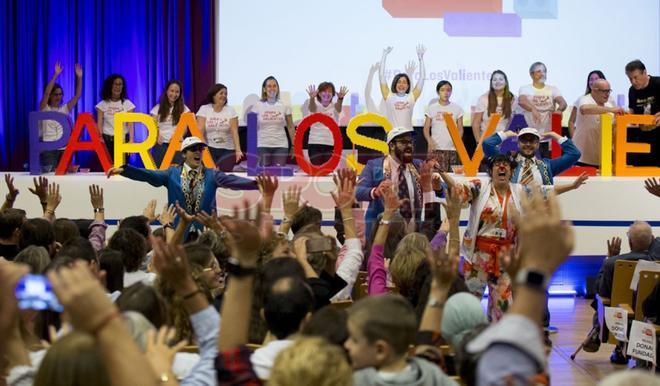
x=34, y=292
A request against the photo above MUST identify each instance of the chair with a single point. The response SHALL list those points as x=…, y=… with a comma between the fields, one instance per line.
x=621, y=293
x=647, y=282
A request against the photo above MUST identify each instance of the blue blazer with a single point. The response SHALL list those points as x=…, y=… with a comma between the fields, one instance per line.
x=550, y=167
x=372, y=175
x=171, y=179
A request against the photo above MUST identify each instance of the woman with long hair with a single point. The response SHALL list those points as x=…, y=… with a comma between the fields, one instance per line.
x=399, y=101
x=499, y=99
x=51, y=131
x=273, y=116
x=167, y=114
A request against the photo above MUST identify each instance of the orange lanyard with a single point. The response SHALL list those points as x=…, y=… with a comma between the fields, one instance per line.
x=503, y=206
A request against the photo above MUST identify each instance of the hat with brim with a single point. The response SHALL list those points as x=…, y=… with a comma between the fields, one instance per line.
x=190, y=142
x=397, y=131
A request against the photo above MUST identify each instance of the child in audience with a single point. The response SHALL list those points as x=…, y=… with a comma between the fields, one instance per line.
x=378, y=344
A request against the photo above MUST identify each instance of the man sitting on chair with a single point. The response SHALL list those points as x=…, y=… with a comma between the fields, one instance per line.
x=640, y=240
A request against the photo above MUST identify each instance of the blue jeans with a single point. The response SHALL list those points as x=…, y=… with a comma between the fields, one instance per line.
x=272, y=156
x=224, y=159
x=158, y=153
x=49, y=160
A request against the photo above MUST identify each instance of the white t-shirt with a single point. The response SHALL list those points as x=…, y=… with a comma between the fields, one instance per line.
x=482, y=107
x=271, y=119
x=587, y=131
x=109, y=109
x=319, y=134
x=51, y=131
x=218, y=128
x=544, y=101
x=166, y=127
x=439, y=131
x=400, y=109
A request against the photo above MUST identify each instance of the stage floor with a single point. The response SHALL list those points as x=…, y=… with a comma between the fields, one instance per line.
x=599, y=210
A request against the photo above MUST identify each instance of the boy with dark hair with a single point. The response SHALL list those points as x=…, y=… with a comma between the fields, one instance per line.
x=288, y=302
x=307, y=215
x=381, y=329
x=10, y=225
x=134, y=250
x=39, y=232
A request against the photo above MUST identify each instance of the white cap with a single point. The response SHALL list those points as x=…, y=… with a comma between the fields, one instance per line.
x=529, y=130
x=397, y=131
x=191, y=141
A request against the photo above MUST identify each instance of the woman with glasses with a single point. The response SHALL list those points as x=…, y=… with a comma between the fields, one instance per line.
x=51, y=131
x=587, y=123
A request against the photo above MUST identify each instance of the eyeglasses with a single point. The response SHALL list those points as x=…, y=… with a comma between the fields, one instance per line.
x=404, y=142
x=213, y=267
x=608, y=91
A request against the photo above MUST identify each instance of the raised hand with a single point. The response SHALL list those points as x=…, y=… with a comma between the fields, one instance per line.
x=183, y=215
x=651, y=185
x=159, y=352
x=385, y=185
x=13, y=192
x=167, y=215
x=58, y=68
x=387, y=50
x=581, y=180
x=115, y=171
x=444, y=268
x=96, y=196
x=614, y=247
x=374, y=68
x=150, y=210
x=243, y=237
x=209, y=221
x=420, y=51
x=390, y=199
x=510, y=260
x=53, y=197
x=171, y=263
x=453, y=202
x=267, y=184
x=291, y=201
x=311, y=91
x=345, y=196
x=40, y=188
x=83, y=297
x=426, y=175
x=343, y=90
x=79, y=70
x=410, y=68
x=544, y=239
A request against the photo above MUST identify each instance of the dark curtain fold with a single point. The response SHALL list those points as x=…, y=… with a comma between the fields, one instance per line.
x=147, y=41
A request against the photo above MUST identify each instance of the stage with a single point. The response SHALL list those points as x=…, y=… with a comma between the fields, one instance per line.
x=599, y=210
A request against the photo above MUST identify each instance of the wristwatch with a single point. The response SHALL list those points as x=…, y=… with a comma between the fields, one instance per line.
x=435, y=303
x=234, y=268
x=533, y=279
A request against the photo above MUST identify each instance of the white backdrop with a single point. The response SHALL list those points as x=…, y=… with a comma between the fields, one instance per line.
x=306, y=42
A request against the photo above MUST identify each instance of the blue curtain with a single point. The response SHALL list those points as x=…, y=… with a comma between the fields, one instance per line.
x=147, y=41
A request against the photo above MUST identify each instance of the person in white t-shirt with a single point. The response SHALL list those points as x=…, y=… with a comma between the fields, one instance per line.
x=440, y=144
x=167, y=114
x=587, y=124
x=50, y=130
x=273, y=116
x=498, y=99
x=219, y=123
x=320, y=142
x=399, y=101
x=114, y=100
x=591, y=78
x=539, y=100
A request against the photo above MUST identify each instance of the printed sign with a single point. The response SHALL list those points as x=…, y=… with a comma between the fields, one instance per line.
x=642, y=341
x=616, y=320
